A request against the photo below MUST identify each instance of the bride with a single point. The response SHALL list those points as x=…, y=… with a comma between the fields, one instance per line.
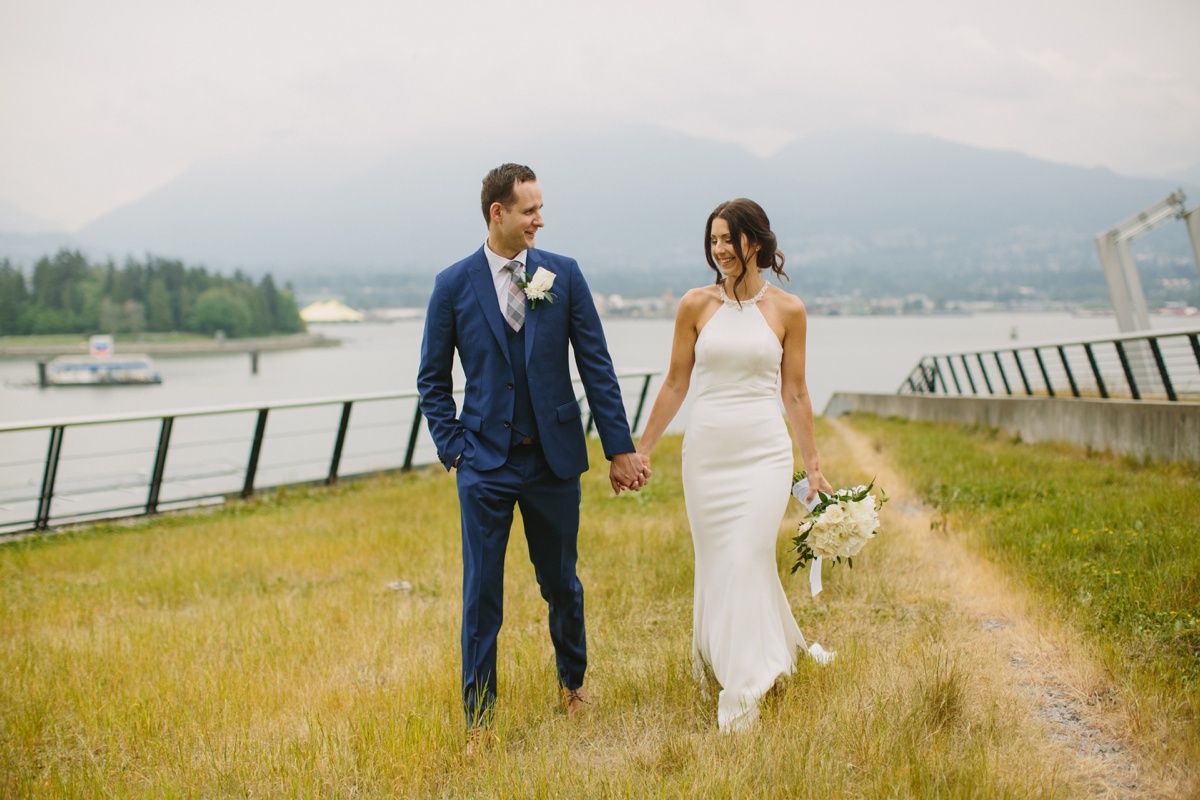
x=742, y=341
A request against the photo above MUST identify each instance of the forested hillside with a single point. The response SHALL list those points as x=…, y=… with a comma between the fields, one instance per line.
x=68, y=294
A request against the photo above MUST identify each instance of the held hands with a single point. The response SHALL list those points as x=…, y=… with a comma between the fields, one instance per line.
x=629, y=471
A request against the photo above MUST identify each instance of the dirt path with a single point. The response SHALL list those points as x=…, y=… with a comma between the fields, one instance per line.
x=1042, y=662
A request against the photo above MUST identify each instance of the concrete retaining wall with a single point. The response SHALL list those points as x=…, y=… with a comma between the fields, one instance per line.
x=1145, y=429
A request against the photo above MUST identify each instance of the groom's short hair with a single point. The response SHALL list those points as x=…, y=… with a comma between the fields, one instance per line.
x=499, y=186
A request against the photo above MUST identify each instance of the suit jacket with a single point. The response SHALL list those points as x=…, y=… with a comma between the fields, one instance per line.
x=464, y=314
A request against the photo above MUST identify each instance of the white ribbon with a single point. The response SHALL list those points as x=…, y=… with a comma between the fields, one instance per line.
x=800, y=492
x=814, y=576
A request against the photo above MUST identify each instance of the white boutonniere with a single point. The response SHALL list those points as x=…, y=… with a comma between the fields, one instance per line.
x=538, y=287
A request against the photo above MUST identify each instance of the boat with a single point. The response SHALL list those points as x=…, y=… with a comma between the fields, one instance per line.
x=100, y=367
x=132, y=368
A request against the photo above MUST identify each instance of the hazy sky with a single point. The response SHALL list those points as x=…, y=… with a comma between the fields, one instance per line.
x=103, y=100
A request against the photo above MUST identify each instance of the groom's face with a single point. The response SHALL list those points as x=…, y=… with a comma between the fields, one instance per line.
x=513, y=228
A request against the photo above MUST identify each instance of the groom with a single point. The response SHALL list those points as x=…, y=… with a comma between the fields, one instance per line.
x=518, y=438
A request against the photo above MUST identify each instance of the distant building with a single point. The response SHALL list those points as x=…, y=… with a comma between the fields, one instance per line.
x=330, y=311
x=614, y=305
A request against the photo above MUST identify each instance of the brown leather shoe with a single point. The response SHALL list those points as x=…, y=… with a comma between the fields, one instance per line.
x=480, y=740
x=575, y=701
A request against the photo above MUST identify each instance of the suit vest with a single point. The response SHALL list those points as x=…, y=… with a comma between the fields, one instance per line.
x=523, y=422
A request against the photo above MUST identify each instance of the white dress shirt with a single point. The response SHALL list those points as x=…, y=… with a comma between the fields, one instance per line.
x=499, y=276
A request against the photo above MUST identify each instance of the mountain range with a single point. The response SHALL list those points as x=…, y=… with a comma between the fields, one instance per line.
x=621, y=199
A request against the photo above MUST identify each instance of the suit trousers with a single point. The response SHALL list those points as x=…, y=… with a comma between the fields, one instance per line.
x=550, y=510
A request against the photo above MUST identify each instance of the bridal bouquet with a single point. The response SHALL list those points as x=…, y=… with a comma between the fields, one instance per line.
x=838, y=524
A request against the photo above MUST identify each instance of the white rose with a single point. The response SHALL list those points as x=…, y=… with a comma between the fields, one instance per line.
x=834, y=514
x=864, y=510
x=542, y=280
x=831, y=538
x=852, y=547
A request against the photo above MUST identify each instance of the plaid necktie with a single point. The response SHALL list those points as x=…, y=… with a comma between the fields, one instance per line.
x=514, y=307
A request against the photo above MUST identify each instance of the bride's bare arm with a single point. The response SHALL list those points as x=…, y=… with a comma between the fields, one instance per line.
x=794, y=388
x=679, y=374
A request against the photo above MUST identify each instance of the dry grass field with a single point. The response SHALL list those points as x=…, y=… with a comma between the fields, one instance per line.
x=305, y=644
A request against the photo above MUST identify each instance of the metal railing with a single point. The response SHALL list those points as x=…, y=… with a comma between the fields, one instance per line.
x=68, y=471
x=1142, y=366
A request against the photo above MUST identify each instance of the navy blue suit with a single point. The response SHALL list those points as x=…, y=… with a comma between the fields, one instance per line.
x=508, y=399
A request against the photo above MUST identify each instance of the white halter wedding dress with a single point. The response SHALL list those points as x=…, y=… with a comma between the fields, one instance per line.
x=737, y=478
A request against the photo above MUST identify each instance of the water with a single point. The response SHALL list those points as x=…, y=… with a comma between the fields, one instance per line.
x=208, y=455
x=869, y=354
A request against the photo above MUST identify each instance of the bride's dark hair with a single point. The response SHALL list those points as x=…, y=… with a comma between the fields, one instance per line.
x=745, y=217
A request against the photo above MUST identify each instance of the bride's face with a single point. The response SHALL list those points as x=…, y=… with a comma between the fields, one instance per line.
x=720, y=243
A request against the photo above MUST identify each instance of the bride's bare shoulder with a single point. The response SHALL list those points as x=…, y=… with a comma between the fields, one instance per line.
x=787, y=303
x=709, y=292
x=695, y=300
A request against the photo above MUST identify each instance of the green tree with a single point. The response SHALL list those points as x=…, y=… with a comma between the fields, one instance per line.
x=280, y=306
x=110, y=316
x=174, y=276
x=66, y=294
x=40, y=320
x=14, y=296
x=159, y=314
x=260, y=313
x=130, y=283
x=134, y=315
x=58, y=288
x=287, y=314
x=220, y=309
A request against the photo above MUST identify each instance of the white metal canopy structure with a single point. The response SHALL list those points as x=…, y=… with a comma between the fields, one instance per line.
x=1120, y=271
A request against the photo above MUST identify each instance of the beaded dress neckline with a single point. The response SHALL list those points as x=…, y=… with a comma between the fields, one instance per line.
x=729, y=301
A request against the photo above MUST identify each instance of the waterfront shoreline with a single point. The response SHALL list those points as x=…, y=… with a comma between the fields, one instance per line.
x=297, y=341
